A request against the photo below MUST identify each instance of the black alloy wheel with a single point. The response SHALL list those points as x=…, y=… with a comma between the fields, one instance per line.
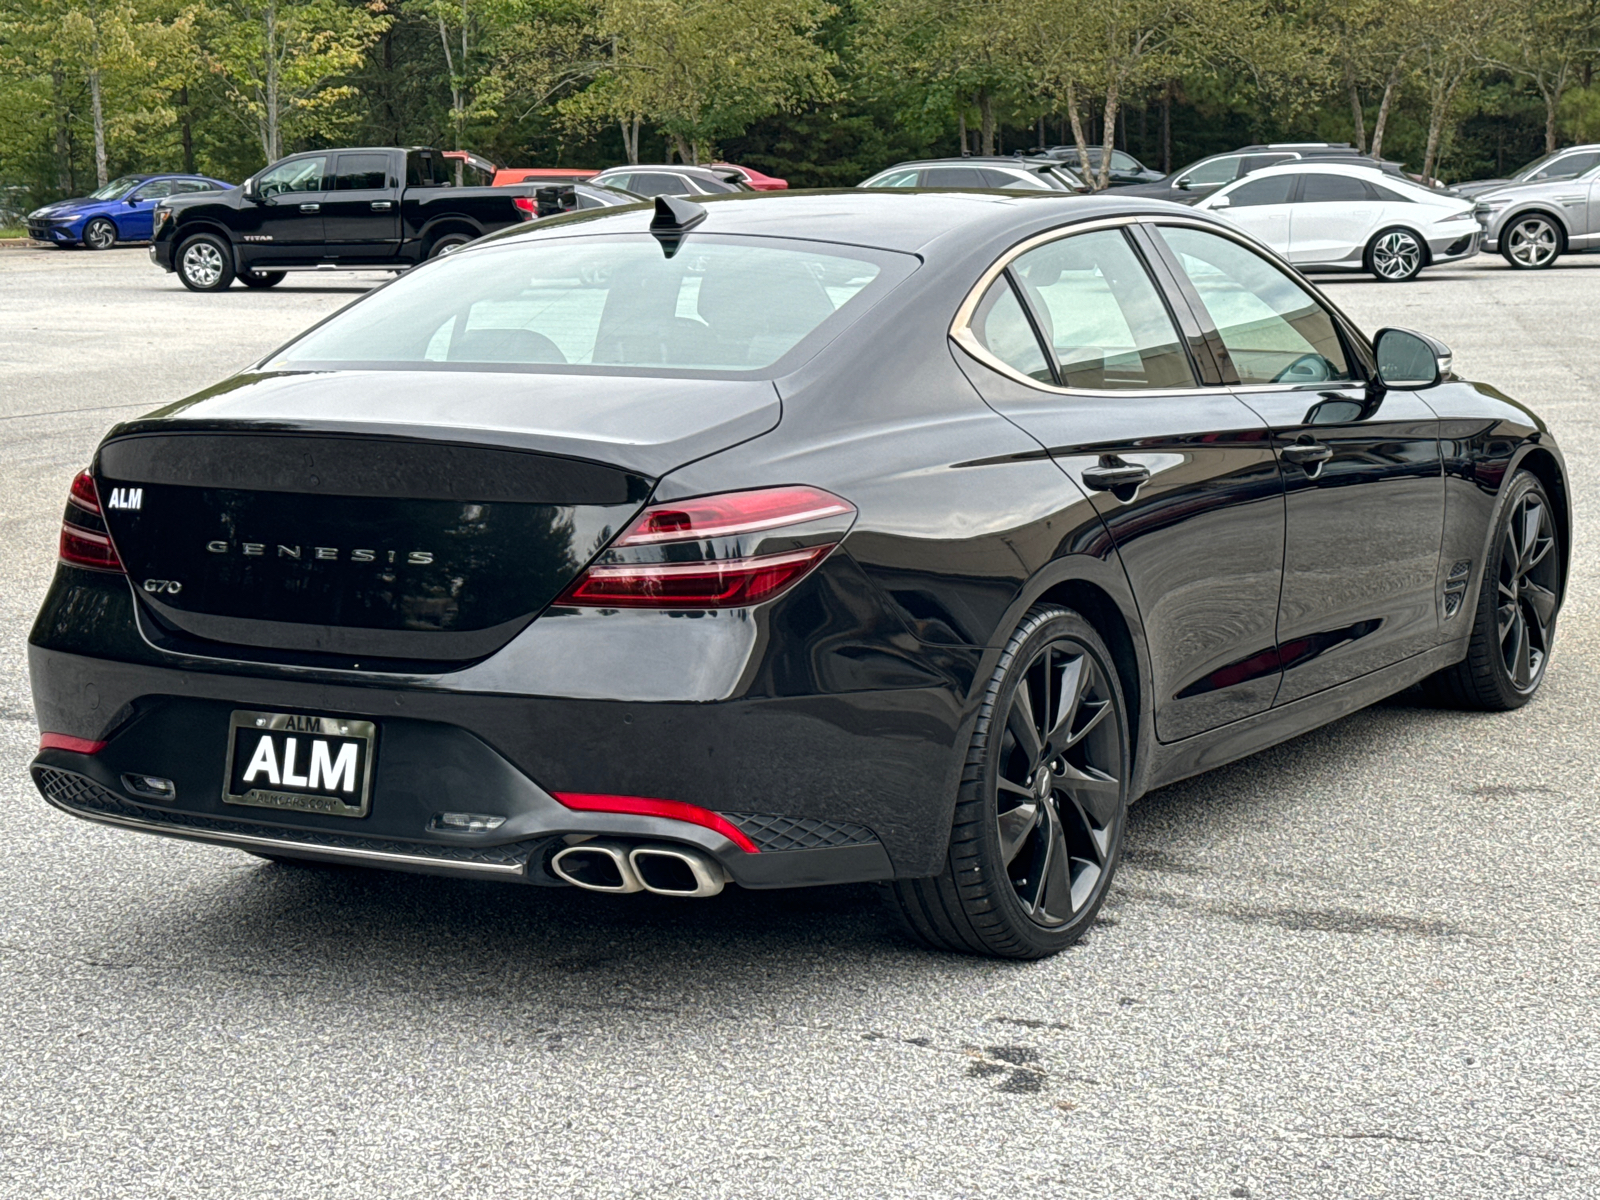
x=1396, y=255
x=1514, y=625
x=99, y=234
x=1039, y=818
x=261, y=279
x=205, y=263
x=1532, y=242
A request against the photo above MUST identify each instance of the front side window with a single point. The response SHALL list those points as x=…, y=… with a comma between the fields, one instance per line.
x=361, y=172
x=895, y=179
x=158, y=190
x=1569, y=166
x=1214, y=170
x=718, y=304
x=1102, y=315
x=1274, y=189
x=298, y=175
x=1274, y=330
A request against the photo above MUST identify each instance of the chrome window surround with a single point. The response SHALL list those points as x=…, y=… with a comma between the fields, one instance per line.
x=961, y=327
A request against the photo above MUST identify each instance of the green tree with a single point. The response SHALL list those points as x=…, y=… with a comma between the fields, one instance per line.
x=280, y=62
x=1548, y=43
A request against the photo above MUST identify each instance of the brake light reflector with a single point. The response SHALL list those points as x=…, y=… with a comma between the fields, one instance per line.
x=85, y=540
x=645, y=806
x=725, y=551
x=64, y=741
x=526, y=205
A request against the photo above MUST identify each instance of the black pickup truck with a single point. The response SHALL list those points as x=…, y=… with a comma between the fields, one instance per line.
x=364, y=208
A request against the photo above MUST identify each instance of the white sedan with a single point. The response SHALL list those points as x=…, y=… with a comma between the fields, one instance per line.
x=1345, y=217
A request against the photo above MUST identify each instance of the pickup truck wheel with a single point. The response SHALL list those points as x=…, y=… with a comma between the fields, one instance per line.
x=205, y=263
x=262, y=279
x=100, y=234
x=445, y=243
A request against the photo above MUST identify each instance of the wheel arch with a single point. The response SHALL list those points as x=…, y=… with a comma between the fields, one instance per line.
x=1544, y=466
x=182, y=235
x=446, y=224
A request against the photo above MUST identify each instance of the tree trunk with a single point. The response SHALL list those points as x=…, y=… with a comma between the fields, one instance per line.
x=1041, y=133
x=630, y=140
x=986, y=114
x=1552, y=101
x=1390, y=87
x=1073, y=115
x=1166, y=130
x=1109, y=138
x=271, y=140
x=961, y=128
x=63, y=147
x=685, y=151
x=1444, y=92
x=186, y=129
x=1356, y=115
x=101, y=174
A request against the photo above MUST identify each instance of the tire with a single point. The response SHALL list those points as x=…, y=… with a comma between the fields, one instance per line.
x=1031, y=858
x=1396, y=255
x=262, y=279
x=1532, y=242
x=205, y=263
x=1514, y=625
x=446, y=242
x=99, y=234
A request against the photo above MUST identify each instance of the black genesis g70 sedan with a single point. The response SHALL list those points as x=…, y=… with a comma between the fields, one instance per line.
x=782, y=540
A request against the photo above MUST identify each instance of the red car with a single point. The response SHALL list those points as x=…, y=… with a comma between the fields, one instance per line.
x=754, y=179
x=501, y=176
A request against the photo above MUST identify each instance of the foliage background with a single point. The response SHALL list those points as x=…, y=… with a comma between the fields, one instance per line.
x=821, y=93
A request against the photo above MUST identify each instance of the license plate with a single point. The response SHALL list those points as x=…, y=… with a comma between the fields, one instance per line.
x=307, y=764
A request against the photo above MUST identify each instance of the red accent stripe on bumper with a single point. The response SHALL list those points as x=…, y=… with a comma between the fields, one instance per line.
x=62, y=741
x=673, y=810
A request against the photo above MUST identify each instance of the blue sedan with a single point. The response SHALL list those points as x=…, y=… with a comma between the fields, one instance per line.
x=119, y=212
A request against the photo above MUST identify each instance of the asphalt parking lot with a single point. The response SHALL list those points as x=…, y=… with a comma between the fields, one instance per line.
x=1361, y=964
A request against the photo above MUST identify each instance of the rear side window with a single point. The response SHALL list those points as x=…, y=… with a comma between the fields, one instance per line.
x=718, y=304
x=424, y=169
x=1333, y=189
x=1274, y=189
x=954, y=177
x=1002, y=328
x=361, y=172
x=1102, y=315
x=658, y=183
x=1017, y=181
x=896, y=179
x=1274, y=330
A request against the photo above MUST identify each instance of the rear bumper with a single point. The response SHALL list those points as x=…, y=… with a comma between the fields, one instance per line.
x=831, y=787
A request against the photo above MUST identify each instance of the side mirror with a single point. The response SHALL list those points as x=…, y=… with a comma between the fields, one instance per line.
x=250, y=193
x=1410, y=361
x=1217, y=202
x=1184, y=183
x=132, y=201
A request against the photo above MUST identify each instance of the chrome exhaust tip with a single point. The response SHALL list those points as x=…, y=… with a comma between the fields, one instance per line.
x=597, y=867
x=675, y=871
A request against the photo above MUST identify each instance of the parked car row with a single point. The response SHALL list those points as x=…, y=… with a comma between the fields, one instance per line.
x=1322, y=205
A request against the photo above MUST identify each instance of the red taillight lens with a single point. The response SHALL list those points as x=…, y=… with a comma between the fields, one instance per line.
x=731, y=583
x=526, y=205
x=65, y=741
x=85, y=540
x=732, y=514
x=725, y=551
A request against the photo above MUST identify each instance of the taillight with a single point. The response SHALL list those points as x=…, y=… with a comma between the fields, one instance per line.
x=85, y=540
x=726, y=551
x=527, y=206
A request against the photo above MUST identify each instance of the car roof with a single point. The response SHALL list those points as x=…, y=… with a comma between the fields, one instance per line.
x=908, y=220
x=967, y=160
x=672, y=168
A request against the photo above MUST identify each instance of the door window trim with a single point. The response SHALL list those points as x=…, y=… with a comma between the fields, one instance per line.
x=961, y=331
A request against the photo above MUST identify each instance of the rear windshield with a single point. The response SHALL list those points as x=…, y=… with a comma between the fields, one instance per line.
x=718, y=304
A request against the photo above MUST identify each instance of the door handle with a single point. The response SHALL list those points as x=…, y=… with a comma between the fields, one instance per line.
x=1307, y=453
x=311, y=208
x=1113, y=474
x=381, y=204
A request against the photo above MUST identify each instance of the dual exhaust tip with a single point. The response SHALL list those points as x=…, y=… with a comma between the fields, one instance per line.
x=620, y=868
